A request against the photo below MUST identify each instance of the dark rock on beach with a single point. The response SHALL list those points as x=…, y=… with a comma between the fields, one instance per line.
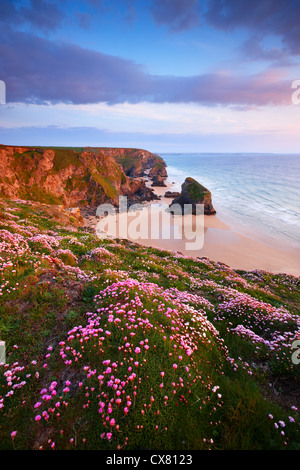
x=158, y=181
x=194, y=193
x=172, y=194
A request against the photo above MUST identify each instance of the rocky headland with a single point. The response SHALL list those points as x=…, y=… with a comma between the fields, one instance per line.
x=83, y=177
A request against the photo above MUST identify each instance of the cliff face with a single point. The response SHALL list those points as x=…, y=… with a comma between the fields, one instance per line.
x=158, y=174
x=158, y=170
x=136, y=161
x=72, y=176
x=194, y=193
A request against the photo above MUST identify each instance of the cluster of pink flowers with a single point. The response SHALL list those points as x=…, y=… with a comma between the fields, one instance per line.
x=100, y=251
x=47, y=241
x=62, y=251
x=118, y=382
x=261, y=323
x=13, y=243
x=74, y=241
x=143, y=350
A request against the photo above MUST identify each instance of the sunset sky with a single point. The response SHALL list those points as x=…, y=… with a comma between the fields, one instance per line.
x=165, y=75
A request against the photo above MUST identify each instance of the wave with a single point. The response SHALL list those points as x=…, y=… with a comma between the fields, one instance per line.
x=261, y=190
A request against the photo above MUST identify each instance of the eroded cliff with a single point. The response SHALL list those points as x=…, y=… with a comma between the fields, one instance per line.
x=74, y=177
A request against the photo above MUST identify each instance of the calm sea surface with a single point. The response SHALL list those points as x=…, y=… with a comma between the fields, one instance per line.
x=257, y=193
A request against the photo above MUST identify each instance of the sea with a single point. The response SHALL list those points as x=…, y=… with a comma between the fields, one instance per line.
x=258, y=194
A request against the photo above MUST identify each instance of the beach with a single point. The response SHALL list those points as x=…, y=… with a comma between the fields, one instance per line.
x=223, y=242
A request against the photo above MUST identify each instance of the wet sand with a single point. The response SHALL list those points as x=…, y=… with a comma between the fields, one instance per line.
x=222, y=241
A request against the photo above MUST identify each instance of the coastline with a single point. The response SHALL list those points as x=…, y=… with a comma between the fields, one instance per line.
x=222, y=242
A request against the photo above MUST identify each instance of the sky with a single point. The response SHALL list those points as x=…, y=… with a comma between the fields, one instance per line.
x=164, y=75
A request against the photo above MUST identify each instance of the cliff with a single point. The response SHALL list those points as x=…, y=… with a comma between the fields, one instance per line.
x=135, y=162
x=74, y=177
x=194, y=193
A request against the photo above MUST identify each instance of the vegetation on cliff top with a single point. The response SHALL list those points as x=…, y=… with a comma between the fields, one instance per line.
x=111, y=345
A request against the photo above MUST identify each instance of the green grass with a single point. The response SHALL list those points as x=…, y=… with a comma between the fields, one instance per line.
x=196, y=190
x=50, y=314
x=65, y=157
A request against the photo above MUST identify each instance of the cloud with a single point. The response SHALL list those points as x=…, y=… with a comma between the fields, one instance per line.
x=260, y=18
x=253, y=49
x=263, y=18
x=177, y=14
x=97, y=8
x=84, y=19
x=38, y=70
x=43, y=15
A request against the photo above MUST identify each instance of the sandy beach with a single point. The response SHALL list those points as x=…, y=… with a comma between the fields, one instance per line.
x=222, y=241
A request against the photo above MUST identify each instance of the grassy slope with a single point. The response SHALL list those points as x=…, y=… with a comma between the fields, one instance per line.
x=113, y=345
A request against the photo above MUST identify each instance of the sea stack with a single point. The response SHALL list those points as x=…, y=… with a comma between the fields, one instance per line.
x=194, y=193
x=158, y=174
x=158, y=181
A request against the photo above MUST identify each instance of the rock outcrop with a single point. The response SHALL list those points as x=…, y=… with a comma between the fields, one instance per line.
x=158, y=181
x=136, y=162
x=158, y=174
x=75, y=214
x=171, y=194
x=158, y=170
x=194, y=193
x=74, y=177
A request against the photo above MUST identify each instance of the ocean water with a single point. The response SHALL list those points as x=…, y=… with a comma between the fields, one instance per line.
x=258, y=193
